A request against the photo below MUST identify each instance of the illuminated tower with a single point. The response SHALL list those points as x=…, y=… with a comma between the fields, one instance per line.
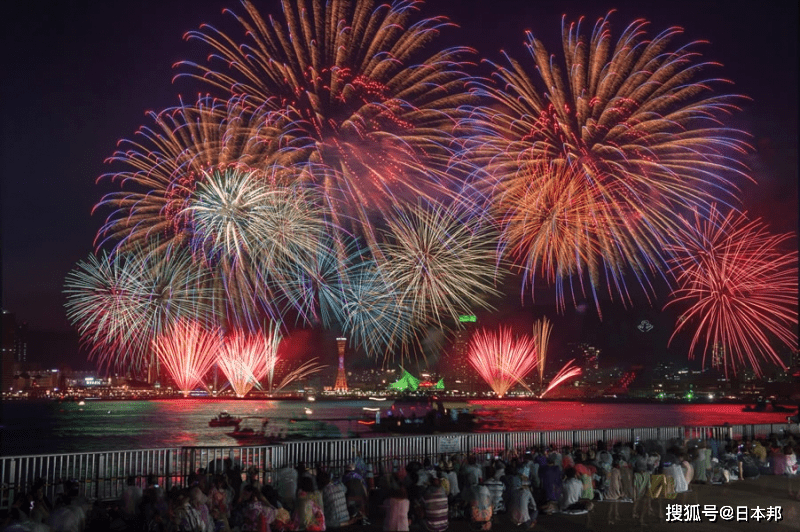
x=341, y=379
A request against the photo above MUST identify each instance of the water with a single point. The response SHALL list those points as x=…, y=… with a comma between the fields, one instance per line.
x=52, y=427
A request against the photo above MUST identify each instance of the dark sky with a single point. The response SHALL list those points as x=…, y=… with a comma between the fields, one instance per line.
x=80, y=74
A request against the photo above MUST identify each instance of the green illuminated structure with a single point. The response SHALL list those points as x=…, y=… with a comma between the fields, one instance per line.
x=409, y=383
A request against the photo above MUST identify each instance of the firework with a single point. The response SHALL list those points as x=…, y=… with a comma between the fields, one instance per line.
x=585, y=168
x=188, y=351
x=567, y=372
x=120, y=302
x=246, y=358
x=439, y=262
x=741, y=288
x=253, y=232
x=541, y=332
x=164, y=164
x=303, y=371
x=353, y=108
x=375, y=318
x=502, y=360
x=316, y=288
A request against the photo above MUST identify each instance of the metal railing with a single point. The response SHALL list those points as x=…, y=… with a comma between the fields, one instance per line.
x=103, y=475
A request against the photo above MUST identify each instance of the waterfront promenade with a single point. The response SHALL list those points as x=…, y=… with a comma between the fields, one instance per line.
x=764, y=492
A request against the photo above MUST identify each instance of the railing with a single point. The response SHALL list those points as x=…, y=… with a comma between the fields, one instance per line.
x=103, y=475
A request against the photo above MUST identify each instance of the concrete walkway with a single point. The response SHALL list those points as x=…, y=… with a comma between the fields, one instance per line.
x=764, y=492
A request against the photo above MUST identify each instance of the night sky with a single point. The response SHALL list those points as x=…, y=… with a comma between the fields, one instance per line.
x=79, y=75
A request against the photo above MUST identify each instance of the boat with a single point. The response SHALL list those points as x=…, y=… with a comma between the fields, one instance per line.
x=224, y=419
x=419, y=415
x=249, y=435
x=764, y=406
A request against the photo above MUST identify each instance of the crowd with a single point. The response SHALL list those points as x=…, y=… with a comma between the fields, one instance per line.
x=515, y=486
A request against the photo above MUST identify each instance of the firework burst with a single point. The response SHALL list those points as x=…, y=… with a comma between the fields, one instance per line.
x=440, y=262
x=164, y=164
x=375, y=318
x=353, y=108
x=246, y=358
x=585, y=168
x=188, y=351
x=741, y=288
x=120, y=302
x=502, y=360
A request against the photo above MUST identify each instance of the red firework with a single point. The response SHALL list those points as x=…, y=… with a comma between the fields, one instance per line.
x=502, y=360
x=188, y=351
x=247, y=358
x=567, y=372
x=741, y=287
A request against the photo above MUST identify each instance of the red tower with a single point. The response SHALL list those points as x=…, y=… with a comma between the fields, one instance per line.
x=341, y=379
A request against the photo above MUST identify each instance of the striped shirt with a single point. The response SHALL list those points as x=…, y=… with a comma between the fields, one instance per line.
x=436, y=509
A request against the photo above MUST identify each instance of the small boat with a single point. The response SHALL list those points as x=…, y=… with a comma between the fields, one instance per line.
x=249, y=435
x=224, y=419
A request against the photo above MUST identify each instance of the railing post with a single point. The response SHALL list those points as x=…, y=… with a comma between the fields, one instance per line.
x=100, y=471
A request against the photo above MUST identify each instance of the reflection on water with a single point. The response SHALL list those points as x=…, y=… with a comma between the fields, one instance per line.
x=51, y=427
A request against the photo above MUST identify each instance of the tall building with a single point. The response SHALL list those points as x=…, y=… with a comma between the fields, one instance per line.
x=341, y=378
x=454, y=366
x=15, y=337
x=718, y=356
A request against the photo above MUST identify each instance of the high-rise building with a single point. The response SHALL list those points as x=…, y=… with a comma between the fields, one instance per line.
x=454, y=366
x=718, y=356
x=341, y=378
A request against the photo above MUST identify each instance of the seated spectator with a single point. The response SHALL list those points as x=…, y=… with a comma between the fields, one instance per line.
x=496, y=489
x=480, y=506
x=522, y=508
x=790, y=461
x=256, y=513
x=308, y=513
x=397, y=511
x=334, y=502
x=435, y=516
x=551, y=481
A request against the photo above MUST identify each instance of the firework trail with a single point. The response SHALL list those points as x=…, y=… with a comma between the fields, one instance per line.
x=188, y=351
x=120, y=302
x=541, y=333
x=585, y=167
x=502, y=360
x=303, y=371
x=246, y=358
x=353, y=108
x=741, y=288
x=567, y=372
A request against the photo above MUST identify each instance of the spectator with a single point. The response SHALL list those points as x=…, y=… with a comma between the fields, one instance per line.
x=522, y=508
x=571, y=498
x=397, y=511
x=308, y=513
x=435, y=508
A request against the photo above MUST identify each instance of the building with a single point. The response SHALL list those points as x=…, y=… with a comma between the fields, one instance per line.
x=15, y=337
x=454, y=366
